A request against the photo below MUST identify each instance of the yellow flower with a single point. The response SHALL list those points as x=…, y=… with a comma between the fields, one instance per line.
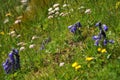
x=99, y=49
x=103, y=51
x=77, y=67
x=89, y=58
x=74, y=64
x=2, y=33
x=117, y=5
x=8, y=14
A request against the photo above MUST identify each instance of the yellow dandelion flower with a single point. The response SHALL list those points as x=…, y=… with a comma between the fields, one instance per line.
x=99, y=49
x=8, y=14
x=89, y=58
x=117, y=5
x=74, y=64
x=103, y=51
x=2, y=33
x=77, y=67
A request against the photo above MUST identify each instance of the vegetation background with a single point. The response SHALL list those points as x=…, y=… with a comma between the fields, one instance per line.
x=49, y=49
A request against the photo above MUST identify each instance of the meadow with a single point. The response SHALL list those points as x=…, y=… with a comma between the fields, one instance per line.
x=61, y=39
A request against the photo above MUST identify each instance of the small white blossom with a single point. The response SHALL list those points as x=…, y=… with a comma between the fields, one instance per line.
x=65, y=5
x=18, y=36
x=32, y=46
x=23, y=1
x=6, y=21
x=82, y=7
x=49, y=17
x=12, y=33
x=50, y=9
x=57, y=9
x=22, y=48
x=21, y=44
x=56, y=13
x=87, y=11
x=55, y=5
x=17, y=21
x=34, y=37
x=61, y=64
x=51, y=12
x=61, y=13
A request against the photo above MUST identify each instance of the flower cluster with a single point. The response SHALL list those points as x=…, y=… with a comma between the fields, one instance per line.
x=12, y=62
x=75, y=27
x=76, y=66
x=102, y=35
x=102, y=50
x=53, y=11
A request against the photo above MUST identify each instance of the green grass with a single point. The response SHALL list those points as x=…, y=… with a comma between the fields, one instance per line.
x=39, y=64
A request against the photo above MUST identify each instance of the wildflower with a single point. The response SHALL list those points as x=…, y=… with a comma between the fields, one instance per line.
x=49, y=17
x=12, y=33
x=95, y=37
x=77, y=67
x=105, y=27
x=22, y=48
x=12, y=62
x=89, y=58
x=57, y=9
x=103, y=51
x=87, y=11
x=57, y=13
x=96, y=42
x=2, y=33
x=6, y=20
x=99, y=49
x=32, y=46
x=50, y=9
x=24, y=1
x=8, y=14
x=111, y=41
x=61, y=64
x=74, y=64
x=65, y=5
x=98, y=24
x=34, y=37
x=21, y=44
x=51, y=12
x=55, y=5
x=61, y=14
x=73, y=29
x=18, y=36
x=105, y=42
x=17, y=21
x=78, y=24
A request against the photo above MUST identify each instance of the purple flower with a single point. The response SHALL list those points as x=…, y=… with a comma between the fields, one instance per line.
x=69, y=27
x=11, y=57
x=73, y=29
x=96, y=37
x=98, y=24
x=15, y=51
x=111, y=41
x=7, y=66
x=105, y=27
x=105, y=42
x=96, y=42
x=78, y=24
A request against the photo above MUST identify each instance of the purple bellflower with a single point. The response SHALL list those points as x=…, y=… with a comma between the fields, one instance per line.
x=103, y=28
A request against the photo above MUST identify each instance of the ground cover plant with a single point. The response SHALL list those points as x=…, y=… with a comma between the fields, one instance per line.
x=60, y=40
